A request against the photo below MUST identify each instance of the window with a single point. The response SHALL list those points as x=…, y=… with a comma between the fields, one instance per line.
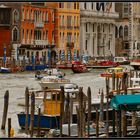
x=100, y=6
x=126, y=32
x=46, y=16
x=86, y=45
x=46, y=34
x=15, y=34
x=74, y=5
x=69, y=18
x=52, y=16
x=86, y=27
x=109, y=45
x=116, y=32
x=85, y=5
x=61, y=5
x=125, y=9
x=77, y=5
x=121, y=32
x=92, y=6
x=69, y=5
x=15, y=16
x=93, y=28
x=69, y=37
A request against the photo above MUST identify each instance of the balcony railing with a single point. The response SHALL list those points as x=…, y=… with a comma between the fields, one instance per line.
x=41, y=42
x=39, y=24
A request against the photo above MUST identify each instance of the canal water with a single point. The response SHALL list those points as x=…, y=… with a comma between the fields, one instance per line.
x=16, y=84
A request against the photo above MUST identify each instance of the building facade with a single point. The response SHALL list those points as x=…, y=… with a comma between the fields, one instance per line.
x=67, y=29
x=5, y=31
x=128, y=29
x=97, y=30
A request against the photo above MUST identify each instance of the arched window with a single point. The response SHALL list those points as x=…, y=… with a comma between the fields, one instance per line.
x=126, y=32
x=15, y=16
x=15, y=34
x=120, y=32
x=116, y=32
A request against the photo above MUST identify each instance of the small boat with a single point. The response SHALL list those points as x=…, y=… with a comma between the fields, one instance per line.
x=117, y=70
x=5, y=70
x=121, y=60
x=39, y=74
x=78, y=67
x=53, y=81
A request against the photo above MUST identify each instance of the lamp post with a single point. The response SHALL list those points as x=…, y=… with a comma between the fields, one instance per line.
x=4, y=57
x=49, y=55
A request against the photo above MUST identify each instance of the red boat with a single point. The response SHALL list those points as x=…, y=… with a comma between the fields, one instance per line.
x=78, y=67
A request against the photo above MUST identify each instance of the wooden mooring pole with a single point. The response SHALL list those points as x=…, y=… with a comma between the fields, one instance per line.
x=32, y=114
x=61, y=110
x=97, y=123
x=38, y=122
x=107, y=107
x=27, y=110
x=5, y=109
x=9, y=127
x=89, y=110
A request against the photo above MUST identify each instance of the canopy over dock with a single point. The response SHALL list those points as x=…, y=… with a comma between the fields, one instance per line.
x=126, y=102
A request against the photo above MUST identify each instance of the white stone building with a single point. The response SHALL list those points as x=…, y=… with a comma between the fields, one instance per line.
x=97, y=28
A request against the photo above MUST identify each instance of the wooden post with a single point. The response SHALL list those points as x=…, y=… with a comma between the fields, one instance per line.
x=78, y=121
x=71, y=110
x=38, y=122
x=113, y=122
x=124, y=124
x=107, y=107
x=61, y=110
x=9, y=127
x=5, y=109
x=84, y=118
x=89, y=110
x=101, y=107
x=81, y=110
x=32, y=114
x=119, y=116
x=113, y=81
x=68, y=102
x=97, y=123
x=27, y=110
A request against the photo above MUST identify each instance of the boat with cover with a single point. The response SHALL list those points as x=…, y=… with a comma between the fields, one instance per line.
x=78, y=67
x=119, y=71
x=53, y=81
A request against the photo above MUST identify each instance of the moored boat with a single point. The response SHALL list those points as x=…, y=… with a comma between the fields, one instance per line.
x=53, y=81
x=78, y=67
x=5, y=70
x=119, y=71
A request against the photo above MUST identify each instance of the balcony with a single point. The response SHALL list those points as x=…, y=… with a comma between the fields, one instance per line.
x=41, y=42
x=39, y=24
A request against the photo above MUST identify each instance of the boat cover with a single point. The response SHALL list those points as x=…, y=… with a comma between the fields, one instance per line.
x=126, y=102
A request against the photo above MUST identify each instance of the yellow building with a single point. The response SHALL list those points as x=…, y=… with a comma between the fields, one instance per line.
x=67, y=26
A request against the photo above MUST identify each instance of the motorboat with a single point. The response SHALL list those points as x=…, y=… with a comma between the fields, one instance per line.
x=119, y=71
x=5, y=70
x=53, y=81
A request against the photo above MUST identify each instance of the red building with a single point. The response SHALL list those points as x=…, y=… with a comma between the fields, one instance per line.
x=29, y=30
x=5, y=32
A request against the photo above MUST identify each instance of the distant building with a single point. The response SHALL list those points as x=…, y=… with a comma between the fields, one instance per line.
x=67, y=29
x=97, y=30
x=31, y=30
x=127, y=31
x=5, y=30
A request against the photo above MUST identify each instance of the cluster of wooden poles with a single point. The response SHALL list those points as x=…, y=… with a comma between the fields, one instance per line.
x=119, y=120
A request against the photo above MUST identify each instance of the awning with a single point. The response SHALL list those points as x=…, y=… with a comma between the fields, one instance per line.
x=126, y=102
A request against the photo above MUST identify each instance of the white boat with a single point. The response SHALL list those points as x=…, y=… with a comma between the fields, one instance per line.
x=53, y=82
